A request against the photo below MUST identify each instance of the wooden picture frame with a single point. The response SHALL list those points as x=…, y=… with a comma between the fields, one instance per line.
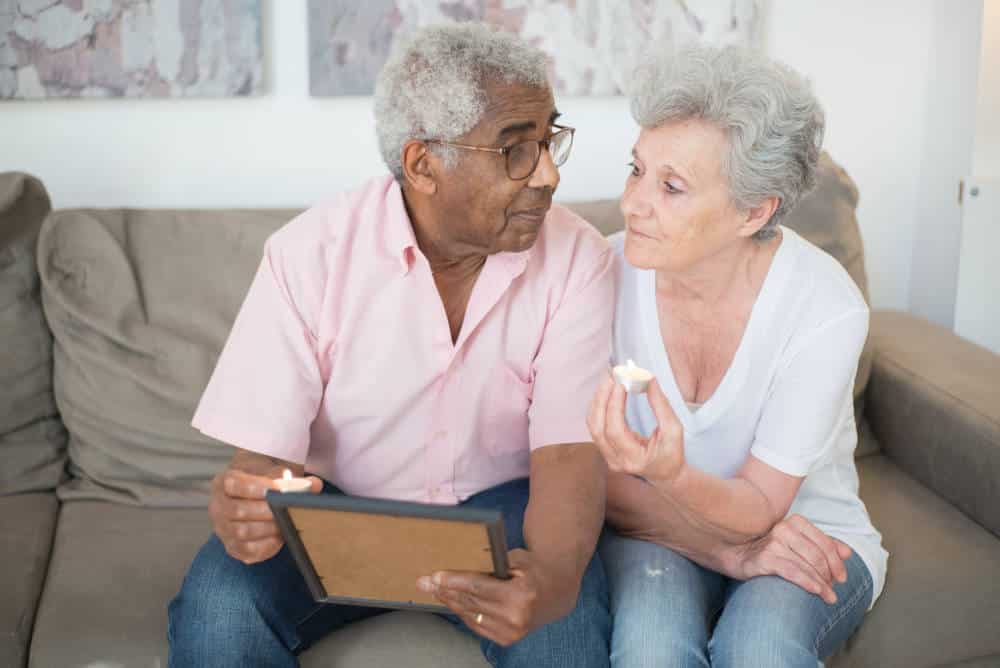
x=370, y=552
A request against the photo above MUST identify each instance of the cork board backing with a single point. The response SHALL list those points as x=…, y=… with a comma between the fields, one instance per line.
x=371, y=551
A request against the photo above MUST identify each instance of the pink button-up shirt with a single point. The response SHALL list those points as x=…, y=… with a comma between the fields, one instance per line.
x=341, y=357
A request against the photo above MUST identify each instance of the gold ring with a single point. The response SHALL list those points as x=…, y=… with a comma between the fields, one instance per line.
x=479, y=618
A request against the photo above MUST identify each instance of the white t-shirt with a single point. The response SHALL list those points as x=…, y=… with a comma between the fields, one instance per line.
x=787, y=397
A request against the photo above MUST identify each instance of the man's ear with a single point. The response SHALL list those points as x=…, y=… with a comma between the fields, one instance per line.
x=420, y=167
x=757, y=217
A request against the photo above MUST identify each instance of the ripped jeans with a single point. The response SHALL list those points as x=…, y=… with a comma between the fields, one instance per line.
x=669, y=611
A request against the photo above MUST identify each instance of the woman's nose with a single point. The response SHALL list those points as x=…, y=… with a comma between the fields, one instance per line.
x=634, y=202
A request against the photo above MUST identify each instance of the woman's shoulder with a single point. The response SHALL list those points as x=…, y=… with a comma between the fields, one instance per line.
x=822, y=282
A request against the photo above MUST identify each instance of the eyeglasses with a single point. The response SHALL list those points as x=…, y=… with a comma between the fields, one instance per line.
x=522, y=158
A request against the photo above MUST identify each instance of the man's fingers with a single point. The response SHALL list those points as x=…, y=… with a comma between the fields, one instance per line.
x=476, y=587
x=252, y=552
x=240, y=510
x=242, y=485
x=257, y=530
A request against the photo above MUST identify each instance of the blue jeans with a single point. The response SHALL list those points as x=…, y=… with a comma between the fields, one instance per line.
x=231, y=614
x=669, y=611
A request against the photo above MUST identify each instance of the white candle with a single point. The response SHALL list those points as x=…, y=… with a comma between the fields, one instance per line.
x=633, y=378
x=286, y=483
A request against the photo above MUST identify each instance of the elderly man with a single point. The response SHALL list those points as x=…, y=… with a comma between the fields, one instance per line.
x=433, y=337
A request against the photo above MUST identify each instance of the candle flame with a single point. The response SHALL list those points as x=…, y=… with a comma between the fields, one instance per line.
x=631, y=364
x=287, y=475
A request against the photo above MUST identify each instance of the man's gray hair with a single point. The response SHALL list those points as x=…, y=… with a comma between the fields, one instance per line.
x=434, y=85
x=773, y=122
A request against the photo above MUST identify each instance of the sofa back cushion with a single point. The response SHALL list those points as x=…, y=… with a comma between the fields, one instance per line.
x=140, y=303
x=32, y=439
x=826, y=217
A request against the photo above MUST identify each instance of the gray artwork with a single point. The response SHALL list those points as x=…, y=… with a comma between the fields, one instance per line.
x=129, y=48
x=592, y=44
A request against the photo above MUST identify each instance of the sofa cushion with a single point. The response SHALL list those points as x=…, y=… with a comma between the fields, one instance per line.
x=140, y=304
x=115, y=569
x=28, y=523
x=941, y=601
x=825, y=217
x=32, y=439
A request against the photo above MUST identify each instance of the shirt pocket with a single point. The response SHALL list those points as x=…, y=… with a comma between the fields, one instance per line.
x=507, y=412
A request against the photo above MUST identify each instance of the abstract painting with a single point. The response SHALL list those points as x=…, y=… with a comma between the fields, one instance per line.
x=592, y=44
x=129, y=48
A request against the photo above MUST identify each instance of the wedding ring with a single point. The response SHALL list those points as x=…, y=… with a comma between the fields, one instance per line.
x=479, y=618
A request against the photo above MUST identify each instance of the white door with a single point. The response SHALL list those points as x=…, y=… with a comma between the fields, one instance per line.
x=977, y=302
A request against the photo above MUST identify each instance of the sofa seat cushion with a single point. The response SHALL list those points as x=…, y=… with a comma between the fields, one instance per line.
x=942, y=596
x=412, y=639
x=115, y=569
x=27, y=524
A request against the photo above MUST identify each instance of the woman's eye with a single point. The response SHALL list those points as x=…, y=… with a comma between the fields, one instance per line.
x=670, y=188
x=633, y=168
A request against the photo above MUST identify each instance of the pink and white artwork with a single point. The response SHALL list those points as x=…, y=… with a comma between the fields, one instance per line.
x=129, y=48
x=592, y=44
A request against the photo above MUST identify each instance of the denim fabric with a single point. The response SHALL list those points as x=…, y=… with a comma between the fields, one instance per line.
x=669, y=611
x=231, y=614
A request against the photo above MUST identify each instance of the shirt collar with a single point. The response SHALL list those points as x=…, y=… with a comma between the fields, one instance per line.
x=401, y=243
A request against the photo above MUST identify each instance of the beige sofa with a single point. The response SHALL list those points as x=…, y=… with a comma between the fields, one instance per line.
x=109, y=339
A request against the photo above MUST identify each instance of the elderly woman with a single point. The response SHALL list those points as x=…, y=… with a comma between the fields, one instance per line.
x=753, y=336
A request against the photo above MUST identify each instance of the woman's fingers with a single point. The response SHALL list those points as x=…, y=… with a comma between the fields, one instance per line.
x=626, y=443
x=829, y=548
x=800, y=573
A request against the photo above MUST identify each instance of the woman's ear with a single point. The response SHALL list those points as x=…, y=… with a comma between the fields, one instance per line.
x=420, y=167
x=758, y=216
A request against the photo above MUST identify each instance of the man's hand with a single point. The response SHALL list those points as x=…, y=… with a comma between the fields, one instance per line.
x=510, y=609
x=241, y=517
x=796, y=551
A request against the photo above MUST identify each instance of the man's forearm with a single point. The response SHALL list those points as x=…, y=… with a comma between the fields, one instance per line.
x=565, y=512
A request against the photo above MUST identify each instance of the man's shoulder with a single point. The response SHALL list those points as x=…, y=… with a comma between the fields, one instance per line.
x=333, y=221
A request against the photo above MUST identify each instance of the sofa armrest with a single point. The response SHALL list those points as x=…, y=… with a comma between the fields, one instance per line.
x=934, y=404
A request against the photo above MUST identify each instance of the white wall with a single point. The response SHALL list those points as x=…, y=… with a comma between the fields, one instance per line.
x=869, y=62
x=986, y=153
x=949, y=128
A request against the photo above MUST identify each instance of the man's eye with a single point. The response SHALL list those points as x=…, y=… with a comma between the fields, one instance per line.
x=670, y=188
x=634, y=169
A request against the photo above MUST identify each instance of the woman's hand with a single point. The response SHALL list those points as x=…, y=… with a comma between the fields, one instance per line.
x=797, y=551
x=658, y=458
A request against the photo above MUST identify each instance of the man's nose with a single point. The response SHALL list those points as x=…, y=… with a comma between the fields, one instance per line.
x=546, y=173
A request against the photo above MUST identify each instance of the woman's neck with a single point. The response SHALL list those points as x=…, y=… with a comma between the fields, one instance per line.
x=732, y=275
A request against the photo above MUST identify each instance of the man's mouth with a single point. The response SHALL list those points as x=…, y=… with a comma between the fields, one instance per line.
x=532, y=215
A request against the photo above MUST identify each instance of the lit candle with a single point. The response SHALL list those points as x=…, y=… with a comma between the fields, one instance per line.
x=633, y=378
x=286, y=483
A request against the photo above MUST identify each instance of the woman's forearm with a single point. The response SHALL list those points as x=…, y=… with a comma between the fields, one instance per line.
x=638, y=509
x=734, y=510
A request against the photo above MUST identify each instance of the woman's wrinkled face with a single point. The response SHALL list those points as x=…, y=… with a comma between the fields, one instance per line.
x=676, y=203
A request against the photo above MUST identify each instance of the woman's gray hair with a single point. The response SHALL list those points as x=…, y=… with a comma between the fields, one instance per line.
x=434, y=85
x=773, y=122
